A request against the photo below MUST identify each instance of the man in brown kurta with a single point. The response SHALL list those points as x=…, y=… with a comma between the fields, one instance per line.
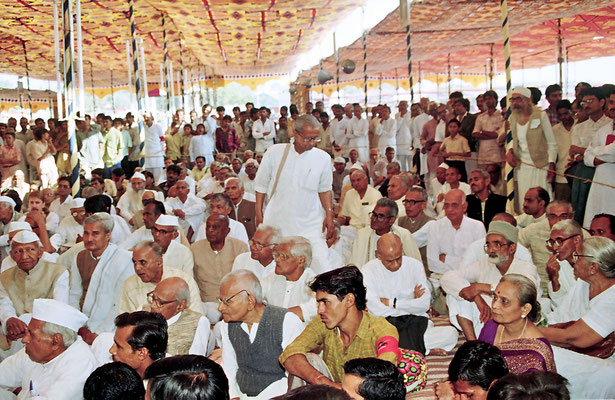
x=213, y=258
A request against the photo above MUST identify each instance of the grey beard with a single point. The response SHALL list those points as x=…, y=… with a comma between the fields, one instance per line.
x=497, y=260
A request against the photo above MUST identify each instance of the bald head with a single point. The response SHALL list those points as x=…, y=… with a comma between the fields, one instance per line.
x=389, y=251
x=172, y=287
x=172, y=296
x=455, y=195
x=148, y=195
x=506, y=217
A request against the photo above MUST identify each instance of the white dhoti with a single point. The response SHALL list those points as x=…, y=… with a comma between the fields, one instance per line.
x=589, y=377
x=440, y=337
x=466, y=310
x=528, y=177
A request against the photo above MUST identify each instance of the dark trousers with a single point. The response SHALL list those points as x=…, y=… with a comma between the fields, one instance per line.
x=411, y=329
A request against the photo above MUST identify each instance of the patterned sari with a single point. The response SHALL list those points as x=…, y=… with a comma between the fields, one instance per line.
x=522, y=355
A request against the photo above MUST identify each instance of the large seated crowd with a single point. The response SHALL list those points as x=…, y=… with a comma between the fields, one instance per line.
x=294, y=255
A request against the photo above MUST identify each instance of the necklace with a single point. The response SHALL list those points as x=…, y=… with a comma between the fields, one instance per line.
x=503, y=328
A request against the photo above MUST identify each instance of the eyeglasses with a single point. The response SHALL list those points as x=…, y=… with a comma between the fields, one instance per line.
x=558, y=241
x=575, y=257
x=560, y=216
x=282, y=256
x=379, y=217
x=496, y=245
x=161, y=231
x=77, y=213
x=227, y=301
x=588, y=101
x=156, y=301
x=309, y=139
x=260, y=245
x=411, y=202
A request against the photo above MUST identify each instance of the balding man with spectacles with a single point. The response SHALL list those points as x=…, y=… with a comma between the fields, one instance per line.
x=298, y=180
x=254, y=334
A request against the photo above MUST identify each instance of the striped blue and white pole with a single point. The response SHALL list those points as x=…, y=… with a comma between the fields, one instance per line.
x=135, y=63
x=69, y=82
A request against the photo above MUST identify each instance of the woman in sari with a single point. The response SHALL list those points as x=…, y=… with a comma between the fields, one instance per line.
x=515, y=310
x=582, y=327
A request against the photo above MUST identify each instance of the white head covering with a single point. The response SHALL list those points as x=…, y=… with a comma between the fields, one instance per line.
x=138, y=175
x=19, y=172
x=252, y=161
x=7, y=200
x=525, y=92
x=167, y=220
x=19, y=226
x=357, y=165
x=443, y=165
x=26, y=237
x=77, y=203
x=56, y=312
x=339, y=160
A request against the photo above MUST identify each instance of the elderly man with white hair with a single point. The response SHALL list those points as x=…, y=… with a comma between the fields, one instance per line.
x=254, y=334
x=149, y=270
x=298, y=182
x=259, y=260
x=31, y=278
x=186, y=206
x=250, y=169
x=97, y=274
x=55, y=362
x=153, y=148
x=130, y=202
x=469, y=289
x=288, y=287
x=7, y=213
x=13, y=229
x=534, y=148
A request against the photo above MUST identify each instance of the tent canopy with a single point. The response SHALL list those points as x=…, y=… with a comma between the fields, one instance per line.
x=228, y=36
x=468, y=30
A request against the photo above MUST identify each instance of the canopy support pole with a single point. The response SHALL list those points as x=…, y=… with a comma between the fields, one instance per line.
x=337, y=65
x=25, y=56
x=69, y=78
x=560, y=52
x=56, y=45
x=364, y=39
x=93, y=89
x=135, y=62
x=491, y=67
x=420, y=81
x=409, y=55
x=80, y=60
x=508, y=170
x=448, y=63
x=129, y=69
x=146, y=104
x=166, y=70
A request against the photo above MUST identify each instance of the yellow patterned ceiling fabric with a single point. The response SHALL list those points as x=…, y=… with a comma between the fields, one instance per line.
x=465, y=29
x=231, y=37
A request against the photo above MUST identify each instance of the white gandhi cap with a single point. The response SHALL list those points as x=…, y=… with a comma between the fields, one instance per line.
x=167, y=220
x=138, y=175
x=56, y=312
x=18, y=226
x=7, y=200
x=77, y=203
x=24, y=237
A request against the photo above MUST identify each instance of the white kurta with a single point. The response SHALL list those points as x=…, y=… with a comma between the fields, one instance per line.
x=442, y=238
x=62, y=209
x=403, y=138
x=292, y=327
x=387, y=131
x=103, y=296
x=529, y=176
x=245, y=261
x=589, y=377
x=130, y=203
x=153, y=148
x=358, y=139
x=337, y=133
x=295, y=207
x=194, y=208
x=262, y=142
x=202, y=145
x=385, y=284
x=60, y=379
x=600, y=198
x=179, y=256
x=278, y=291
